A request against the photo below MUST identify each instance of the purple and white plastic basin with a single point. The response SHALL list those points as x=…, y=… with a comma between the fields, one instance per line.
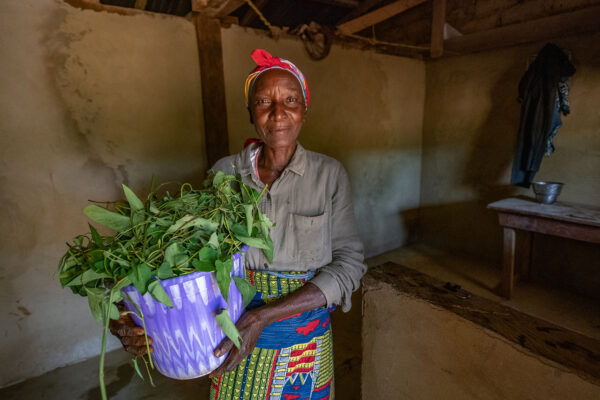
x=186, y=335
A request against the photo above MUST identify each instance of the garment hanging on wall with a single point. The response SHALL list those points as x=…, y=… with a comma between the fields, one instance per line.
x=543, y=96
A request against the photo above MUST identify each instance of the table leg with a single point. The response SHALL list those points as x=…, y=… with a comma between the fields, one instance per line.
x=508, y=260
x=524, y=249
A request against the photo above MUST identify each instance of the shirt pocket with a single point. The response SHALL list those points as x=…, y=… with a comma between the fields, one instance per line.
x=313, y=240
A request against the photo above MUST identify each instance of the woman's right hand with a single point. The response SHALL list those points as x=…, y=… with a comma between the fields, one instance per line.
x=131, y=335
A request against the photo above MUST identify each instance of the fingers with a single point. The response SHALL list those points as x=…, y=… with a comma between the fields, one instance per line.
x=225, y=346
x=138, y=350
x=135, y=340
x=228, y=365
x=123, y=330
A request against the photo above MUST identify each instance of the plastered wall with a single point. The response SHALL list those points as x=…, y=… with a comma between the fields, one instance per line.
x=469, y=131
x=91, y=100
x=426, y=352
x=366, y=110
x=88, y=101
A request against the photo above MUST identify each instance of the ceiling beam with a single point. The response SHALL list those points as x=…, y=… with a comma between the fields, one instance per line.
x=217, y=8
x=376, y=16
x=97, y=6
x=556, y=26
x=251, y=15
x=438, y=20
x=340, y=3
x=364, y=6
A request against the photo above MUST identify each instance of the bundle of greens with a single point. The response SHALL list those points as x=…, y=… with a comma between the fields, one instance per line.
x=198, y=230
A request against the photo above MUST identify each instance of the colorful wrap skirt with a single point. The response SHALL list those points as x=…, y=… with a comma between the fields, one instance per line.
x=293, y=358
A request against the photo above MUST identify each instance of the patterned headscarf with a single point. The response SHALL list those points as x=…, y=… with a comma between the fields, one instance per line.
x=266, y=62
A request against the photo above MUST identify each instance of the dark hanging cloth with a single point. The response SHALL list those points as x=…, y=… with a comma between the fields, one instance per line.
x=543, y=96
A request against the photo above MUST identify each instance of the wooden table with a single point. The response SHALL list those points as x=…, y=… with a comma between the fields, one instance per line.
x=521, y=217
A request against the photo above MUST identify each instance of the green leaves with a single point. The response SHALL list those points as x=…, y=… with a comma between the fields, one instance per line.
x=107, y=218
x=140, y=275
x=247, y=290
x=86, y=277
x=189, y=221
x=206, y=259
x=224, y=269
x=165, y=236
x=134, y=202
x=165, y=271
x=224, y=320
x=175, y=255
x=159, y=293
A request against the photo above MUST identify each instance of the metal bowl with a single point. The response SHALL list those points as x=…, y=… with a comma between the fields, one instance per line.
x=546, y=192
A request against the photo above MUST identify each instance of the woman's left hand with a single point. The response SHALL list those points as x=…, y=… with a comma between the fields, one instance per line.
x=250, y=326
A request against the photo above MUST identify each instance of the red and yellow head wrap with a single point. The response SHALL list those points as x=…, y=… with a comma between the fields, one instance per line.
x=265, y=62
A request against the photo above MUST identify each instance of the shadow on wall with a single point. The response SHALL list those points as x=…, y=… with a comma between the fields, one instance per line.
x=493, y=150
x=462, y=227
x=467, y=226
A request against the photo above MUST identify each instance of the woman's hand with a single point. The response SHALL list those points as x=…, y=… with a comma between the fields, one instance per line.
x=131, y=335
x=250, y=326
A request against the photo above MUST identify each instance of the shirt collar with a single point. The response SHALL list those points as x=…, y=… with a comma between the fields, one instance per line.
x=297, y=164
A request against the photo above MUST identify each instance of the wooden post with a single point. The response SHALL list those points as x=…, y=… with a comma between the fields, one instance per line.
x=508, y=267
x=437, y=28
x=208, y=34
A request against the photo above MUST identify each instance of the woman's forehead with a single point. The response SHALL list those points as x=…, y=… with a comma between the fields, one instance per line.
x=277, y=78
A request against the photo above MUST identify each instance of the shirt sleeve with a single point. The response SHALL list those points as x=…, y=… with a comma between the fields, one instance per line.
x=338, y=279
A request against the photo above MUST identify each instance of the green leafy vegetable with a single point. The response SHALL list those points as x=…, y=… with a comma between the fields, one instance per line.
x=161, y=237
x=107, y=218
x=224, y=320
x=246, y=289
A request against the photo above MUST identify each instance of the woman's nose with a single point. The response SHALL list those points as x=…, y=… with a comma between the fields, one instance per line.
x=277, y=111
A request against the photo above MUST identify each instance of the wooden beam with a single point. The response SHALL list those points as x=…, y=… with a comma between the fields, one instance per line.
x=364, y=6
x=577, y=352
x=340, y=3
x=438, y=20
x=225, y=7
x=199, y=5
x=556, y=26
x=251, y=15
x=97, y=6
x=210, y=52
x=376, y=16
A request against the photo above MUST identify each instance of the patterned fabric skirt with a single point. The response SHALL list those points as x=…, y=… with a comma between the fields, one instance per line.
x=293, y=358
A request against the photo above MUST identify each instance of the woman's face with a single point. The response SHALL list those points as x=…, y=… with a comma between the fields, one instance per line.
x=277, y=108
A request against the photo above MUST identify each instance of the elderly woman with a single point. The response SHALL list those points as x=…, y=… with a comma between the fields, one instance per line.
x=286, y=350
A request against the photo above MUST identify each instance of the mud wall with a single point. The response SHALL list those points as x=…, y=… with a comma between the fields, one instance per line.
x=427, y=352
x=469, y=132
x=89, y=100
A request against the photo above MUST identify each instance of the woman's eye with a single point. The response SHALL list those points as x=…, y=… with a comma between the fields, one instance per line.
x=263, y=101
x=291, y=99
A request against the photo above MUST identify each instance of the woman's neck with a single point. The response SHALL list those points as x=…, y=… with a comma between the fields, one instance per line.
x=272, y=162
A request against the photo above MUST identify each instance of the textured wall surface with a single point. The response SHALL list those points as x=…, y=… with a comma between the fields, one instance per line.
x=366, y=110
x=469, y=131
x=425, y=352
x=89, y=101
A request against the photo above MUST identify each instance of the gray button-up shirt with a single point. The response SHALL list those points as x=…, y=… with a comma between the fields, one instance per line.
x=315, y=229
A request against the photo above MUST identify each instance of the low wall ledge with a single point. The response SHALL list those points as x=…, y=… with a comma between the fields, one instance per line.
x=576, y=352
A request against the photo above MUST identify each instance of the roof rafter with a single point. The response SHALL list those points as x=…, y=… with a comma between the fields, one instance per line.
x=378, y=15
x=217, y=8
x=438, y=20
x=583, y=20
